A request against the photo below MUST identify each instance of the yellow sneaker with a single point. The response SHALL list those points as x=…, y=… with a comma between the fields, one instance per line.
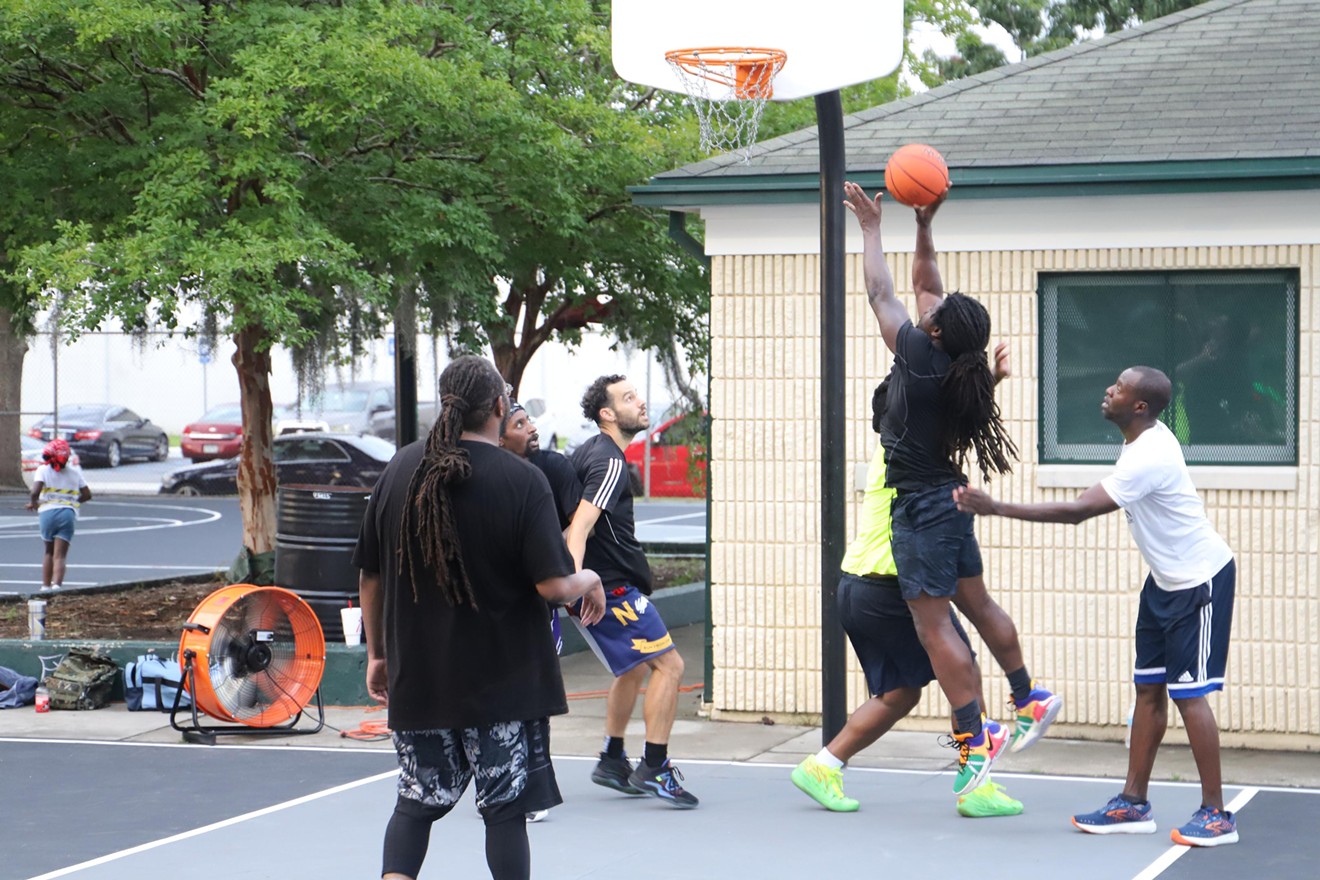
x=824, y=785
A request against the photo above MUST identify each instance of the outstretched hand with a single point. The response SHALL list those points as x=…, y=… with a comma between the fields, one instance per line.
x=975, y=501
x=864, y=208
x=927, y=213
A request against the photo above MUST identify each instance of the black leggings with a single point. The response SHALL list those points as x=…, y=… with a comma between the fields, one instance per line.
x=508, y=854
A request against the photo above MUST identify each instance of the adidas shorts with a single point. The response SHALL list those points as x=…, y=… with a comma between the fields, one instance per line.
x=631, y=632
x=510, y=760
x=1182, y=635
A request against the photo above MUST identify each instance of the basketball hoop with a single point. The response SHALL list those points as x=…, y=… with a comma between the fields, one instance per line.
x=729, y=117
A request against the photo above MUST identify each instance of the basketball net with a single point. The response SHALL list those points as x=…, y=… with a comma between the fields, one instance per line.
x=728, y=88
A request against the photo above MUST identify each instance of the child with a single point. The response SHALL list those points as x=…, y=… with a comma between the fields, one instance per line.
x=57, y=492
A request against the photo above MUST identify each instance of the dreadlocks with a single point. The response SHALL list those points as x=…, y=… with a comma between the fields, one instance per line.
x=967, y=392
x=469, y=387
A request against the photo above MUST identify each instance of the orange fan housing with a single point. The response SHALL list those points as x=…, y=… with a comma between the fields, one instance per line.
x=260, y=658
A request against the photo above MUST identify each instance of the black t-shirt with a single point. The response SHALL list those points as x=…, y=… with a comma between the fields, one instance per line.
x=455, y=667
x=613, y=551
x=564, y=482
x=911, y=426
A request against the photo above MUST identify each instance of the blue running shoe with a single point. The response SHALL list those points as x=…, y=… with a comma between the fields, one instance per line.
x=1120, y=816
x=1209, y=827
x=662, y=782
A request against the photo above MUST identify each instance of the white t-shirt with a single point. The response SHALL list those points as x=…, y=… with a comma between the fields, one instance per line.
x=59, y=488
x=1166, y=516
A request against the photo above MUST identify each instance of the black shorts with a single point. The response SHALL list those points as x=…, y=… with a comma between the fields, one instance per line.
x=934, y=542
x=878, y=623
x=510, y=760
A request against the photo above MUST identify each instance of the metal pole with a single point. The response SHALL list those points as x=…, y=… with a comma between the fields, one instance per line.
x=834, y=693
x=646, y=456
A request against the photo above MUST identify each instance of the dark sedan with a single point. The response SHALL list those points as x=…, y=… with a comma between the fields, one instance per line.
x=317, y=458
x=103, y=433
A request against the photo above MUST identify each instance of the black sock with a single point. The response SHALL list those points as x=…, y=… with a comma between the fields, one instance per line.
x=614, y=746
x=508, y=854
x=1132, y=800
x=1020, y=683
x=656, y=754
x=967, y=719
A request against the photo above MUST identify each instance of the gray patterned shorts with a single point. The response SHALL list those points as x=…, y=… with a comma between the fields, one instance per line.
x=437, y=765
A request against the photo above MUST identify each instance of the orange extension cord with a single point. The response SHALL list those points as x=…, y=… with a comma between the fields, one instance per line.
x=374, y=731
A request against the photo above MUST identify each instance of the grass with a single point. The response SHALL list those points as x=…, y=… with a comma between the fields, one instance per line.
x=674, y=571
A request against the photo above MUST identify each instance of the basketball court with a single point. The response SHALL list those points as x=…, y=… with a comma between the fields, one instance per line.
x=113, y=811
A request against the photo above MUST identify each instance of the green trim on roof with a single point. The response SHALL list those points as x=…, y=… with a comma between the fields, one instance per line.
x=1027, y=181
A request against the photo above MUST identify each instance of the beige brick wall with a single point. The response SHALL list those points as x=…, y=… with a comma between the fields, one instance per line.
x=1071, y=590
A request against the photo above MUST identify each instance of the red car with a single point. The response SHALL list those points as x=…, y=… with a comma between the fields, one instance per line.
x=218, y=434
x=678, y=460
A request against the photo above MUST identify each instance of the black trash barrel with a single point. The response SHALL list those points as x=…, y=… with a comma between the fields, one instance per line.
x=316, y=529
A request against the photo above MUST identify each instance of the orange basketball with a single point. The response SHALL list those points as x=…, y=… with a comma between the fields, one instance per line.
x=916, y=175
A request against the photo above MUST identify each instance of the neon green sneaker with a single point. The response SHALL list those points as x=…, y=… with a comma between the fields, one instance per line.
x=988, y=800
x=824, y=785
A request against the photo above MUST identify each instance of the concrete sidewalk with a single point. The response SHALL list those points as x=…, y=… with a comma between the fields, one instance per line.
x=698, y=738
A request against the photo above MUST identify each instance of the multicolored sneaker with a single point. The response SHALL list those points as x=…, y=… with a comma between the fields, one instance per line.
x=1035, y=714
x=1119, y=816
x=1209, y=827
x=987, y=800
x=613, y=773
x=977, y=753
x=824, y=785
x=662, y=782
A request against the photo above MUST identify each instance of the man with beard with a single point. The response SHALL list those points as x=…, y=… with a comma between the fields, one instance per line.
x=631, y=638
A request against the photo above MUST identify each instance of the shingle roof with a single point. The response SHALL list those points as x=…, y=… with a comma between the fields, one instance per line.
x=1228, y=79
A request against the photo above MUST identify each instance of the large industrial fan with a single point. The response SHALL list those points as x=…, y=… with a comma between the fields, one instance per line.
x=251, y=656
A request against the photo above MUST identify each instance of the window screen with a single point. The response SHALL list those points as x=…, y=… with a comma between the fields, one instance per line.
x=1226, y=339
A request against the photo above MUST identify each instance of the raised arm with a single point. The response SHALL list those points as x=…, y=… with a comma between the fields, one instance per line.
x=1091, y=503
x=926, y=280
x=889, y=312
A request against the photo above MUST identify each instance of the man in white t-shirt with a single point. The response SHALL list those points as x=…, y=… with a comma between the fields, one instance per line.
x=1186, y=611
x=58, y=490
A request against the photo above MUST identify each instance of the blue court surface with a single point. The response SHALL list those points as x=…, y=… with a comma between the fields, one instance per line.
x=106, y=811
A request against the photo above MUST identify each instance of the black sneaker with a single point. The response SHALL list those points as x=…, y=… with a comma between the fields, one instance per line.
x=663, y=783
x=614, y=773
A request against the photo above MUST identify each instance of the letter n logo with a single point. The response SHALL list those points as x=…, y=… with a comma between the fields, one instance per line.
x=624, y=614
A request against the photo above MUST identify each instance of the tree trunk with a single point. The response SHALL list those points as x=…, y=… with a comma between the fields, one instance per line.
x=13, y=347
x=256, y=461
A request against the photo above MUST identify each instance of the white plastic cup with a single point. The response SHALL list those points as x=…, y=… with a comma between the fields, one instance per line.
x=36, y=619
x=352, y=620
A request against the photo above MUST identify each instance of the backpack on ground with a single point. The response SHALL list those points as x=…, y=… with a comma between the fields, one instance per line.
x=83, y=680
x=151, y=683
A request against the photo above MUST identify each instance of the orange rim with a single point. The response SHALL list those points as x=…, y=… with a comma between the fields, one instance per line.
x=248, y=680
x=749, y=71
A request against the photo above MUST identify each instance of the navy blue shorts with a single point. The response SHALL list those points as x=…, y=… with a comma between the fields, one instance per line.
x=509, y=759
x=1182, y=635
x=630, y=633
x=934, y=543
x=879, y=626
x=57, y=522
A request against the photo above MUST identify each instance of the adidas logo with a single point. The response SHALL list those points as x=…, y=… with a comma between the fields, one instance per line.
x=1185, y=677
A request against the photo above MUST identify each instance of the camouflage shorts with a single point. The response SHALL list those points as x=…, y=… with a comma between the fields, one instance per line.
x=437, y=765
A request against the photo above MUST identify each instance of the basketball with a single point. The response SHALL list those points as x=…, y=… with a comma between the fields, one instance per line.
x=916, y=175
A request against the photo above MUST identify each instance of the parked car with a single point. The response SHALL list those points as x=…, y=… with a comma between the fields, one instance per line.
x=355, y=408
x=104, y=433
x=217, y=434
x=560, y=431
x=315, y=458
x=31, y=457
x=678, y=463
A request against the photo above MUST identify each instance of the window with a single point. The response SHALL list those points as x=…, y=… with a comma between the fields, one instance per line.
x=1227, y=340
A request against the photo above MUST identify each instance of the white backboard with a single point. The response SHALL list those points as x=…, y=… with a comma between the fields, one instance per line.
x=830, y=43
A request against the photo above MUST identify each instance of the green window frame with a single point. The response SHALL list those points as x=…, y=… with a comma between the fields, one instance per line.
x=1228, y=340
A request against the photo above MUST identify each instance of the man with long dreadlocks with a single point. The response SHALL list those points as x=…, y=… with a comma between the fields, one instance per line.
x=940, y=408
x=460, y=549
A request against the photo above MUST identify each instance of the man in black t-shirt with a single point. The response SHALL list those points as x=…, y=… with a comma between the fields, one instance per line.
x=460, y=550
x=519, y=436
x=631, y=638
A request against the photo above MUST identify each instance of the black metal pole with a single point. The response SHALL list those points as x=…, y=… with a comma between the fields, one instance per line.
x=834, y=690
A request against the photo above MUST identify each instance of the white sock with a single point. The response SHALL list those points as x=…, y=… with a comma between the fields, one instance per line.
x=824, y=757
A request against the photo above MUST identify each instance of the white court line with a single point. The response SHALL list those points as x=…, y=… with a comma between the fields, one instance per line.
x=1177, y=851
x=215, y=826
x=664, y=519
x=157, y=522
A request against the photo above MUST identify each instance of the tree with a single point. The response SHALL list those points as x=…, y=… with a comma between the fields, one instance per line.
x=1042, y=25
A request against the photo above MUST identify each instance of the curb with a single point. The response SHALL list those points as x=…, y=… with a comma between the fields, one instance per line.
x=344, y=681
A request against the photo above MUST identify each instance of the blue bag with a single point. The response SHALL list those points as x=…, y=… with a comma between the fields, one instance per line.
x=151, y=683
x=15, y=689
